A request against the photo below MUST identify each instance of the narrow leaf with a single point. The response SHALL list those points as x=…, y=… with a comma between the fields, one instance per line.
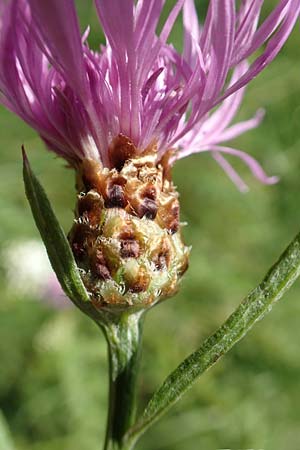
x=258, y=302
x=56, y=243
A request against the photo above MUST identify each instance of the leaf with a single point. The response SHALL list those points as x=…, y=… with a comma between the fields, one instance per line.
x=253, y=308
x=54, y=238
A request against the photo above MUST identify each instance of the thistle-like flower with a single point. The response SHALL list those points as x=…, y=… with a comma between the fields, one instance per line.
x=122, y=116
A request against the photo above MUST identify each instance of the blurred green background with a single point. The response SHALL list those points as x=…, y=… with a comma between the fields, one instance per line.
x=53, y=379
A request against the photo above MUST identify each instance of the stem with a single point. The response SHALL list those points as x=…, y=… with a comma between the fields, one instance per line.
x=124, y=342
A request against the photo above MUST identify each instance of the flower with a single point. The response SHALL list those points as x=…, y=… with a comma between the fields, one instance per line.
x=122, y=116
x=137, y=85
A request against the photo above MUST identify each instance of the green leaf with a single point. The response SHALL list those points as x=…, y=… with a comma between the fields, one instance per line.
x=5, y=438
x=259, y=301
x=54, y=238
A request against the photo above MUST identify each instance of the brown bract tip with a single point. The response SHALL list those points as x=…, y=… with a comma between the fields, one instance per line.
x=167, y=162
x=121, y=149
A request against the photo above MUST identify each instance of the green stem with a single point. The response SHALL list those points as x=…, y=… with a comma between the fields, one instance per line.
x=124, y=342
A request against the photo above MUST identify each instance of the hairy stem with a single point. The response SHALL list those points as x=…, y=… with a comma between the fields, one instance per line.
x=124, y=342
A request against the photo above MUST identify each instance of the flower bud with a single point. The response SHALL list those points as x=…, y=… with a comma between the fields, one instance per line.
x=126, y=237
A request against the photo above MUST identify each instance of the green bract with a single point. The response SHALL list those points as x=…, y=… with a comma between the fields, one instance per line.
x=56, y=243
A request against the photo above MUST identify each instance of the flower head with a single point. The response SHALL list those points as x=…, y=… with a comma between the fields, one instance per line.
x=121, y=116
x=137, y=85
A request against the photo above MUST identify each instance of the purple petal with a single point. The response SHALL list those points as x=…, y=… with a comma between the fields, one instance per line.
x=264, y=31
x=222, y=38
x=253, y=165
x=191, y=30
x=138, y=85
x=117, y=19
x=241, y=127
x=231, y=172
x=248, y=18
x=171, y=20
x=209, y=129
x=273, y=47
x=60, y=39
x=223, y=116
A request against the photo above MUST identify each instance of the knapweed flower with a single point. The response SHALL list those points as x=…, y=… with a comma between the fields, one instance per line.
x=121, y=116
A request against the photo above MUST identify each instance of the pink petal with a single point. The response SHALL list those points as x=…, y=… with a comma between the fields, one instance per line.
x=191, y=30
x=231, y=172
x=248, y=18
x=58, y=27
x=240, y=128
x=273, y=47
x=253, y=165
x=222, y=117
x=221, y=46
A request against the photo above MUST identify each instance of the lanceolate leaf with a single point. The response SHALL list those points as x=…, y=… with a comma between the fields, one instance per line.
x=54, y=238
x=259, y=301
